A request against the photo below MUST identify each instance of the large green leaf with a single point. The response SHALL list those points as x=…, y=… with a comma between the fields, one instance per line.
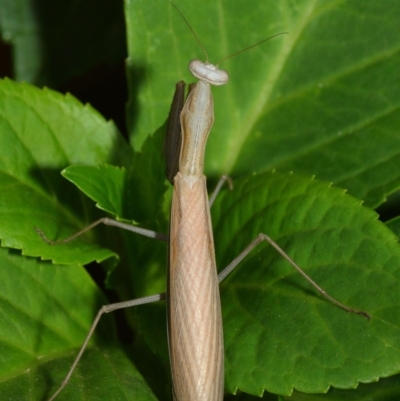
x=40, y=130
x=46, y=312
x=384, y=390
x=322, y=100
x=289, y=338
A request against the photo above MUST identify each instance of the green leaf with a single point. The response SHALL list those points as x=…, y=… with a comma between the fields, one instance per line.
x=394, y=225
x=127, y=194
x=54, y=41
x=40, y=130
x=385, y=390
x=104, y=184
x=322, y=100
x=148, y=188
x=246, y=397
x=46, y=312
x=288, y=336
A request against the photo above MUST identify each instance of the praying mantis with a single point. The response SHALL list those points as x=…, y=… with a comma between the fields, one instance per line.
x=195, y=334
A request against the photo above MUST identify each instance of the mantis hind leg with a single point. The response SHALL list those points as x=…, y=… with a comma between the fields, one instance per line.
x=105, y=309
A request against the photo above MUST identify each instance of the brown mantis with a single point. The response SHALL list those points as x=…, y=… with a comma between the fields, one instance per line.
x=194, y=311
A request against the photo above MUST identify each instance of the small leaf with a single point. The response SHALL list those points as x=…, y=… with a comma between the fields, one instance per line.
x=131, y=193
x=103, y=184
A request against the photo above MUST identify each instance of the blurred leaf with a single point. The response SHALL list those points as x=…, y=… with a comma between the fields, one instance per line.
x=54, y=41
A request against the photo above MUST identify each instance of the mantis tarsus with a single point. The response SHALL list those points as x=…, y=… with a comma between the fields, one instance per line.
x=194, y=311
